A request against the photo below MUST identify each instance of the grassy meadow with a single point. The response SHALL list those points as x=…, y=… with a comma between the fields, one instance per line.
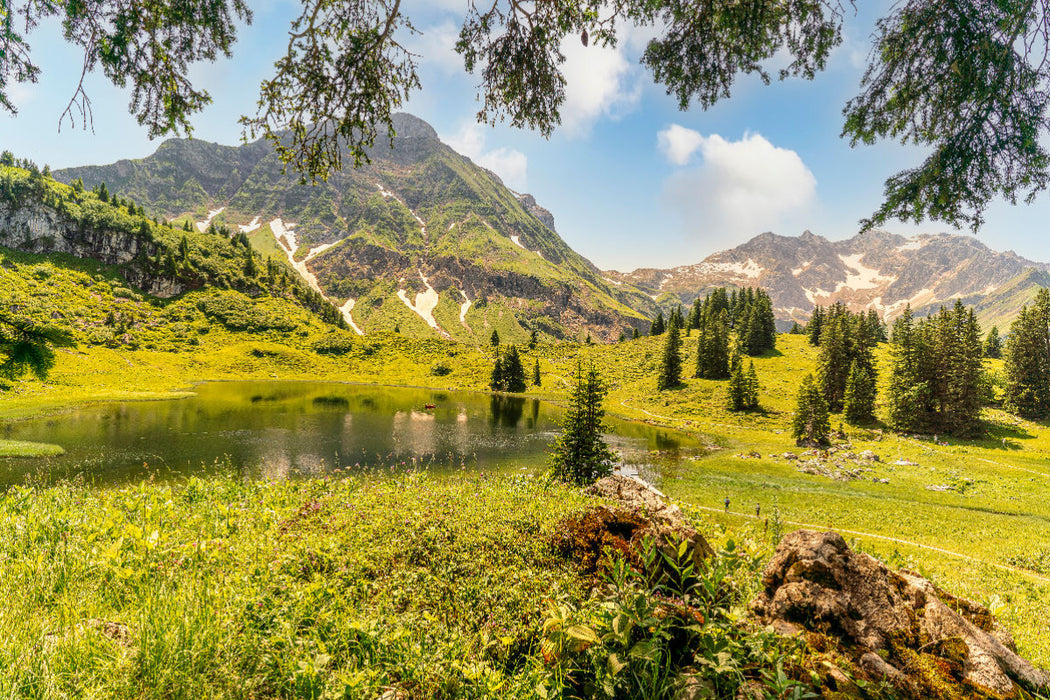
x=970, y=514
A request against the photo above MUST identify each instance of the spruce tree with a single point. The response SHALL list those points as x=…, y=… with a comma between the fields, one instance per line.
x=513, y=371
x=859, y=402
x=103, y=193
x=993, y=344
x=494, y=338
x=658, y=326
x=1027, y=365
x=671, y=364
x=751, y=388
x=737, y=388
x=816, y=325
x=534, y=339
x=635, y=335
x=496, y=380
x=536, y=373
x=810, y=425
x=580, y=455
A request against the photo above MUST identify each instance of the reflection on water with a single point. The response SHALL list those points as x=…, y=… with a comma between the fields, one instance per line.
x=281, y=429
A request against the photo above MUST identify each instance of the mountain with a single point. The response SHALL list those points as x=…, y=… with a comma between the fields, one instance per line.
x=421, y=239
x=875, y=269
x=42, y=216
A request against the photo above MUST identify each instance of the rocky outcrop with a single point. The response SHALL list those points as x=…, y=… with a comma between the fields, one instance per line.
x=544, y=215
x=36, y=228
x=894, y=625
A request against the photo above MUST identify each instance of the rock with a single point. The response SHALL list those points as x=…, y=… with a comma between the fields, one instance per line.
x=642, y=512
x=635, y=493
x=876, y=667
x=815, y=581
x=869, y=455
x=790, y=455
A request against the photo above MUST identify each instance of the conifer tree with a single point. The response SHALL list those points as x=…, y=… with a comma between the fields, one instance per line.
x=513, y=371
x=751, y=388
x=712, y=354
x=635, y=335
x=658, y=326
x=671, y=363
x=810, y=425
x=534, y=339
x=993, y=344
x=580, y=455
x=737, y=390
x=494, y=338
x=103, y=193
x=536, y=373
x=816, y=325
x=496, y=380
x=859, y=402
x=1028, y=365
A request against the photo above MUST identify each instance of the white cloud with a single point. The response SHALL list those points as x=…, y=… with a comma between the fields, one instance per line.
x=511, y=165
x=738, y=188
x=679, y=143
x=600, y=81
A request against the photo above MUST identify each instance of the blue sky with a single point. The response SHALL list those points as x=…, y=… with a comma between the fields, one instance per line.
x=631, y=180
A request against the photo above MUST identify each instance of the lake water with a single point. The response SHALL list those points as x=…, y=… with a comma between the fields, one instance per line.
x=285, y=429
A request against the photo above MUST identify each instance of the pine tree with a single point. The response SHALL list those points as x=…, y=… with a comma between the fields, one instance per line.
x=536, y=373
x=751, y=388
x=712, y=353
x=737, y=389
x=671, y=364
x=635, y=335
x=816, y=325
x=658, y=326
x=250, y=268
x=810, y=425
x=496, y=380
x=494, y=338
x=859, y=402
x=580, y=455
x=103, y=193
x=1028, y=365
x=513, y=371
x=993, y=344
x=534, y=339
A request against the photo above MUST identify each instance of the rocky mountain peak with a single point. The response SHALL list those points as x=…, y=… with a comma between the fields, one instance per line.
x=872, y=270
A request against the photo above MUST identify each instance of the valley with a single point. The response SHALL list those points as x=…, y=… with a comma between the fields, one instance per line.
x=270, y=329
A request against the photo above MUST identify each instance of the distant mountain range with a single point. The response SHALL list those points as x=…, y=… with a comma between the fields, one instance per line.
x=871, y=270
x=422, y=239
x=425, y=241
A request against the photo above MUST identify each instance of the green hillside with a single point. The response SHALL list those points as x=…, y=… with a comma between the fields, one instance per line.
x=420, y=219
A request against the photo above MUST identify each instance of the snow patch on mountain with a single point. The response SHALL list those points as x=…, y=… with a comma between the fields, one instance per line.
x=424, y=304
x=202, y=226
x=253, y=226
x=345, y=309
x=859, y=276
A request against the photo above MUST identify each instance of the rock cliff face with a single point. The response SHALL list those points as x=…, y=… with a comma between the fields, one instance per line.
x=875, y=270
x=36, y=228
x=420, y=223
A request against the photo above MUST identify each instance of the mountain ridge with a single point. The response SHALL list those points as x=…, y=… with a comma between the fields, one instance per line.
x=875, y=269
x=420, y=240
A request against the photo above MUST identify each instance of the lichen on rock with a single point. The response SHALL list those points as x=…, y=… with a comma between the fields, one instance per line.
x=894, y=625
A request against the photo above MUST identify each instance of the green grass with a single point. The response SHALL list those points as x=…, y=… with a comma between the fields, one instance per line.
x=334, y=588
x=20, y=448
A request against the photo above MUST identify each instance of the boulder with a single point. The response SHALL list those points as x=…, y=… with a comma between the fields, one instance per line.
x=895, y=625
x=640, y=512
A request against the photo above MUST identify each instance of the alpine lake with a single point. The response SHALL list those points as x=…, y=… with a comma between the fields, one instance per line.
x=279, y=430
